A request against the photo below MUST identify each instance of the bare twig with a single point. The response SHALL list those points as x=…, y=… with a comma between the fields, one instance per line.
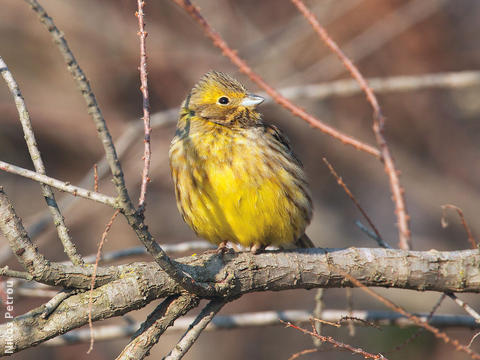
x=217, y=40
x=36, y=157
x=352, y=197
x=195, y=329
x=468, y=309
x=157, y=322
x=336, y=344
x=140, y=250
x=89, y=97
x=459, y=211
x=472, y=339
x=403, y=83
x=436, y=332
x=419, y=331
x=5, y=271
x=142, y=34
x=372, y=235
x=94, y=275
x=318, y=313
x=301, y=353
x=378, y=127
x=271, y=318
x=61, y=185
x=404, y=17
x=95, y=177
x=51, y=305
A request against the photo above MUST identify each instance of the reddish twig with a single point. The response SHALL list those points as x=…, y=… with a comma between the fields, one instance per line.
x=335, y=343
x=94, y=274
x=378, y=126
x=419, y=331
x=301, y=353
x=142, y=34
x=415, y=319
x=217, y=40
x=459, y=211
x=95, y=177
x=352, y=197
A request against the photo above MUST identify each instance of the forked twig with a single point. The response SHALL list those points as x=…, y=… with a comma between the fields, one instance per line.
x=36, y=157
x=61, y=185
x=335, y=343
x=378, y=127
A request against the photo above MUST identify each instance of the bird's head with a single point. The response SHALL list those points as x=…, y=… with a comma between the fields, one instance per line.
x=220, y=98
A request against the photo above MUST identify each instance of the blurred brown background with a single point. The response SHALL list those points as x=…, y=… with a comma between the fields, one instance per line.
x=433, y=135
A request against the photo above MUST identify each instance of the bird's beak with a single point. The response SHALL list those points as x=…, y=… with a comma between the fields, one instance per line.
x=252, y=100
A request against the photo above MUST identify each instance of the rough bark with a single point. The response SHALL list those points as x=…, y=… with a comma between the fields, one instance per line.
x=235, y=274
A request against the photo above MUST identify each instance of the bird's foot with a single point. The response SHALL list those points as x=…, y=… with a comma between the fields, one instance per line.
x=257, y=248
x=222, y=248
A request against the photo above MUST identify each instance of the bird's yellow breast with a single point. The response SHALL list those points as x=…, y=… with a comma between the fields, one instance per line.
x=231, y=186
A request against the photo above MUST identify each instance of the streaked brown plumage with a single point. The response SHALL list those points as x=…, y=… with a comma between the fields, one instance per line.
x=236, y=178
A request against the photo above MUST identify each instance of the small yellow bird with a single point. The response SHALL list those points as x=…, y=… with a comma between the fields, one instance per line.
x=236, y=178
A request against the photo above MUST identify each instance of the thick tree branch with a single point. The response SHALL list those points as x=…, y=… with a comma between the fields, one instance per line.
x=140, y=283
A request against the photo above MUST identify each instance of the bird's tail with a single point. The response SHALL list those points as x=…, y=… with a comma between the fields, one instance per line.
x=304, y=242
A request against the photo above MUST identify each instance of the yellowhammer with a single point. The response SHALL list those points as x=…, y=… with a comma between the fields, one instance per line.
x=236, y=178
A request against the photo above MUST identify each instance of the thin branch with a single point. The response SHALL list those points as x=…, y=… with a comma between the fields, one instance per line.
x=157, y=322
x=378, y=127
x=372, y=235
x=459, y=211
x=217, y=40
x=140, y=250
x=352, y=197
x=318, y=313
x=95, y=177
x=84, y=86
x=419, y=331
x=195, y=329
x=53, y=303
x=36, y=157
x=468, y=309
x=6, y=272
x=385, y=85
x=60, y=185
x=303, y=352
x=271, y=318
x=336, y=344
x=94, y=275
x=366, y=42
x=142, y=34
x=436, y=332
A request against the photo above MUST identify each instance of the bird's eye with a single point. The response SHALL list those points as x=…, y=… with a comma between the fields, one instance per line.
x=223, y=100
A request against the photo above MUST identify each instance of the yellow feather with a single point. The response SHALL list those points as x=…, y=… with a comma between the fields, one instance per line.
x=235, y=182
